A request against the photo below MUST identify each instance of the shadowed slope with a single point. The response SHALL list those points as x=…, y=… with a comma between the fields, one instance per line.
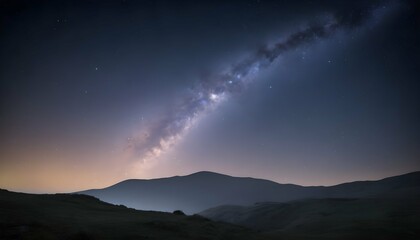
x=371, y=218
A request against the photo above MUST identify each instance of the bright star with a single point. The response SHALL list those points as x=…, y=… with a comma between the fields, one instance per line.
x=213, y=96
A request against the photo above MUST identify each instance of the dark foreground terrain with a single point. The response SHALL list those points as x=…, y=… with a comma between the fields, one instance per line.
x=369, y=218
x=64, y=216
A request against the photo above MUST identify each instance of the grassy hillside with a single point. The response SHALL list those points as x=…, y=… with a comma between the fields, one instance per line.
x=63, y=216
x=374, y=218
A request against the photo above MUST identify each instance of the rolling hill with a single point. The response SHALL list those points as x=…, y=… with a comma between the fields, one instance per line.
x=66, y=216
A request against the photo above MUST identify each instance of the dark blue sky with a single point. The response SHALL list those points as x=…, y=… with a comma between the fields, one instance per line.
x=94, y=92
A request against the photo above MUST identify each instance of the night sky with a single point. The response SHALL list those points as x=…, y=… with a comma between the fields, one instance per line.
x=305, y=92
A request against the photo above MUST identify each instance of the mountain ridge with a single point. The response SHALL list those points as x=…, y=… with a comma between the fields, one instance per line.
x=255, y=178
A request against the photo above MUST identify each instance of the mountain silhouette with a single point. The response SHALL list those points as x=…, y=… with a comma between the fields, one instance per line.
x=202, y=190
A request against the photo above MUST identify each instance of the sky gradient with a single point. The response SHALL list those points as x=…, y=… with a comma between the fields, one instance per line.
x=311, y=93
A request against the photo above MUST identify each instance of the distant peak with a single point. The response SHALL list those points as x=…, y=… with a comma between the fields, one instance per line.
x=207, y=173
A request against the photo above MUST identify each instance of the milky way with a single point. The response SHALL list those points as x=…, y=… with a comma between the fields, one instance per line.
x=207, y=93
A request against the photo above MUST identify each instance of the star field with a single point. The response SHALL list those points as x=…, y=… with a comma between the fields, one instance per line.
x=307, y=92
